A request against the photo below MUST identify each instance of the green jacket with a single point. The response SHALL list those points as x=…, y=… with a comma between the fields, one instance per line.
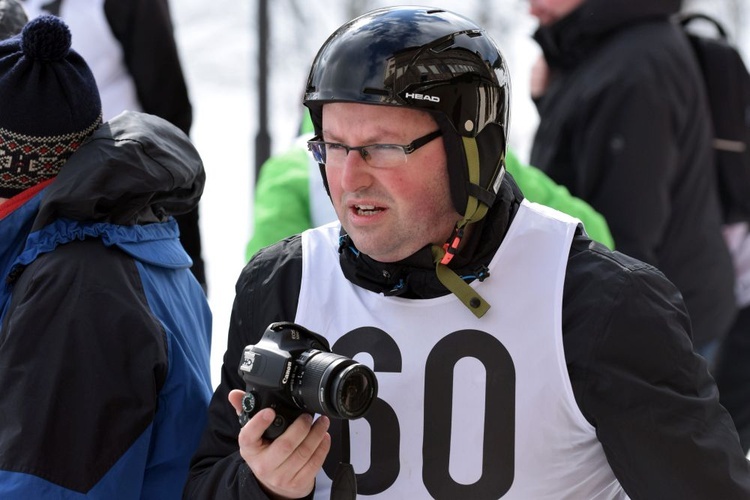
x=283, y=205
x=538, y=187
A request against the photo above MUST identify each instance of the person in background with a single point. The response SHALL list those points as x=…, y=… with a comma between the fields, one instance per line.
x=12, y=18
x=130, y=47
x=290, y=196
x=624, y=125
x=104, y=331
x=515, y=357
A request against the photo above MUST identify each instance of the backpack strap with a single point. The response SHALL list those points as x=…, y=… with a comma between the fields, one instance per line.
x=686, y=19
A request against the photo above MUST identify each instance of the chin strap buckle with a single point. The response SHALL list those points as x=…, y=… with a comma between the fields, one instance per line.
x=451, y=248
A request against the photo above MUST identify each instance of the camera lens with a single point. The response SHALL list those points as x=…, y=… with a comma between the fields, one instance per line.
x=352, y=390
x=335, y=385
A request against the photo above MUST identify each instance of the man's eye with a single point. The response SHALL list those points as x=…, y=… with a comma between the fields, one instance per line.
x=334, y=146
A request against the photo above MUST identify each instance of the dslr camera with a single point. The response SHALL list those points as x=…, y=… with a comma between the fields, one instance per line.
x=293, y=371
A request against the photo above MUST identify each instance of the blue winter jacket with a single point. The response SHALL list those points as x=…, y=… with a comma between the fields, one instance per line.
x=104, y=333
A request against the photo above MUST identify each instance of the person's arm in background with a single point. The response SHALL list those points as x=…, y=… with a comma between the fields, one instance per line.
x=282, y=199
x=145, y=31
x=539, y=188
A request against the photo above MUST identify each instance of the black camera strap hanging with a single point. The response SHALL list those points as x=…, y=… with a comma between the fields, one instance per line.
x=344, y=486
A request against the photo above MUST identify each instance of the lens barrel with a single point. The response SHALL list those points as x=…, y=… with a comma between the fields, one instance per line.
x=334, y=385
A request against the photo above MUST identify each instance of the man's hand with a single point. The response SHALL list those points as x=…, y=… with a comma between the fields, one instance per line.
x=287, y=466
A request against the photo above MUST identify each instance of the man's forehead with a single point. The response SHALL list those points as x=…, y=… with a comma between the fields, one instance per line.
x=380, y=115
x=377, y=123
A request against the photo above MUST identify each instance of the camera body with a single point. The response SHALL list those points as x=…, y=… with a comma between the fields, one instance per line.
x=293, y=371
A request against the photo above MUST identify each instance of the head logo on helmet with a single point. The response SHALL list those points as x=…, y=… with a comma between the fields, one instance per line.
x=422, y=97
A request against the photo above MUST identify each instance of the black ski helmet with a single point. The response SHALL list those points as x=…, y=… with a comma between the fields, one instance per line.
x=433, y=60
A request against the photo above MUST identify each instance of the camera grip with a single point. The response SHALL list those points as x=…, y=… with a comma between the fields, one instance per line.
x=250, y=408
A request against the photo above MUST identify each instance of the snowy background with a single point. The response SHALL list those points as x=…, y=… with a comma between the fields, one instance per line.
x=218, y=46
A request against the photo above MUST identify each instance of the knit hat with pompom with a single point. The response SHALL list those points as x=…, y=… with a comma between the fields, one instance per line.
x=49, y=104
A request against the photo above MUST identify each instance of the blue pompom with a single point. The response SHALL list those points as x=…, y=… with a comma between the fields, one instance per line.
x=46, y=38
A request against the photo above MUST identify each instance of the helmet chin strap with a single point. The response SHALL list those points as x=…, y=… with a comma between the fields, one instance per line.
x=442, y=255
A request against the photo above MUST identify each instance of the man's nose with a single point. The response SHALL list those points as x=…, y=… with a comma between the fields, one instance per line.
x=355, y=173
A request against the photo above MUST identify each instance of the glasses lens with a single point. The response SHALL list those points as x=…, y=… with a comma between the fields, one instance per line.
x=385, y=155
x=376, y=155
x=335, y=153
x=318, y=151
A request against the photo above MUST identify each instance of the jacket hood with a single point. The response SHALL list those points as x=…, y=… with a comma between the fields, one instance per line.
x=135, y=169
x=570, y=39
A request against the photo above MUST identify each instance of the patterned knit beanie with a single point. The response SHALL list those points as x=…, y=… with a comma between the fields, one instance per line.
x=49, y=104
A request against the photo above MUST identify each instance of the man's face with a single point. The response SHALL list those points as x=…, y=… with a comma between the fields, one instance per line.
x=551, y=11
x=389, y=213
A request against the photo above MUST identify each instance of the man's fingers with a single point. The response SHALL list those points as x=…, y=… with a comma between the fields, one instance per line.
x=286, y=444
x=303, y=460
x=251, y=436
x=288, y=465
x=314, y=449
x=307, y=448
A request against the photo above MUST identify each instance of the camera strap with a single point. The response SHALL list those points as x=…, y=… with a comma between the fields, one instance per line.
x=344, y=486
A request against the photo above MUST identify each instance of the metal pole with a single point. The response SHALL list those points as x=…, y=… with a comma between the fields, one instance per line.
x=263, y=138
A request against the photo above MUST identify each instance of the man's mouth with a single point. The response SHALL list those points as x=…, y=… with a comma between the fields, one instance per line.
x=367, y=209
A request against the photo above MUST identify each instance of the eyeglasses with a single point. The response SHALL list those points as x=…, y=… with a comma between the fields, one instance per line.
x=376, y=155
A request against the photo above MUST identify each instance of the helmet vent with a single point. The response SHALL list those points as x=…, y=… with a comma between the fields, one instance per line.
x=444, y=45
x=373, y=91
x=435, y=11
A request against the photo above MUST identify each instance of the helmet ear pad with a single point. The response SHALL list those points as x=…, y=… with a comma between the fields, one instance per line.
x=491, y=146
x=455, y=155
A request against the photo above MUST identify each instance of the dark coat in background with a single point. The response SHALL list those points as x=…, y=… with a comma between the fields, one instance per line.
x=625, y=126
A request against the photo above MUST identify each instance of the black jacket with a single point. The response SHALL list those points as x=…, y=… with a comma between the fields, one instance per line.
x=624, y=126
x=627, y=343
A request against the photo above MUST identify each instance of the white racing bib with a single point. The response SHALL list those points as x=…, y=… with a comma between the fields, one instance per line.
x=474, y=408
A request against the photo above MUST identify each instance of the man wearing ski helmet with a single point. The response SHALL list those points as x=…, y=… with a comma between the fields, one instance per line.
x=515, y=357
